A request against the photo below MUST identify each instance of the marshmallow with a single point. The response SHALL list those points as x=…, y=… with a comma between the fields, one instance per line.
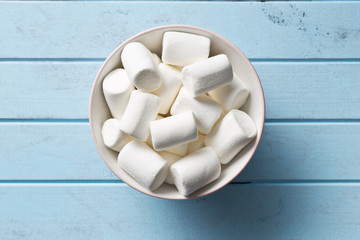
x=140, y=67
x=143, y=164
x=174, y=130
x=195, y=170
x=205, y=110
x=171, y=158
x=148, y=140
x=182, y=49
x=178, y=149
x=156, y=58
x=197, y=144
x=117, y=88
x=171, y=83
x=231, y=96
x=140, y=111
x=231, y=134
x=113, y=137
x=207, y=75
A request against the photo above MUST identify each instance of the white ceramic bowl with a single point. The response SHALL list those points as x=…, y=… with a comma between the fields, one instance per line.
x=152, y=38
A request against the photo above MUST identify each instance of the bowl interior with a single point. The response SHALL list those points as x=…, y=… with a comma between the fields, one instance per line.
x=152, y=39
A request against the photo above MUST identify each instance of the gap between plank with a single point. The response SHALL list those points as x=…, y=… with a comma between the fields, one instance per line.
x=55, y=121
x=59, y=181
x=45, y=120
x=156, y=0
x=86, y=121
x=280, y=182
x=52, y=59
x=279, y=121
x=175, y=1
x=272, y=182
x=304, y=60
x=254, y=60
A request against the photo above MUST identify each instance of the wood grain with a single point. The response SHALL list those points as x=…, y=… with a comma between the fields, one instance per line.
x=115, y=211
x=50, y=151
x=293, y=90
x=306, y=151
x=310, y=90
x=261, y=30
x=46, y=90
x=287, y=151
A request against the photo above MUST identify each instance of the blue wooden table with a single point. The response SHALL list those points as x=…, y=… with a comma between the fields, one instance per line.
x=303, y=182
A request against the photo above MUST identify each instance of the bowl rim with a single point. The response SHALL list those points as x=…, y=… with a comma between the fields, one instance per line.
x=163, y=27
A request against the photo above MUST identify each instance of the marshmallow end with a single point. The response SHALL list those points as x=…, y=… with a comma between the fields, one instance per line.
x=239, y=100
x=112, y=136
x=147, y=80
x=245, y=123
x=161, y=176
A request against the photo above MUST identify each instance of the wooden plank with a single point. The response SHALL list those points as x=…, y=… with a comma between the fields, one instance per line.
x=46, y=90
x=115, y=211
x=94, y=29
x=288, y=151
x=306, y=151
x=50, y=151
x=311, y=90
x=292, y=90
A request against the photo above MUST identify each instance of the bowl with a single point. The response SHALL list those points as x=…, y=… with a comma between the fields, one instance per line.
x=152, y=39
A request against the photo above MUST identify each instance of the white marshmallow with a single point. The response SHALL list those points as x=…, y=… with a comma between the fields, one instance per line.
x=178, y=149
x=171, y=83
x=231, y=134
x=231, y=96
x=117, y=88
x=174, y=130
x=113, y=137
x=140, y=67
x=143, y=164
x=197, y=144
x=207, y=75
x=182, y=49
x=195, y=170
x=205, y=110
x=171, y=158
x=140, y=111
x=156, y=58
x=148, y=140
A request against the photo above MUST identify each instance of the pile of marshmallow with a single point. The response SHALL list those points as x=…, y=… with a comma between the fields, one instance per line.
x=176, y=120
